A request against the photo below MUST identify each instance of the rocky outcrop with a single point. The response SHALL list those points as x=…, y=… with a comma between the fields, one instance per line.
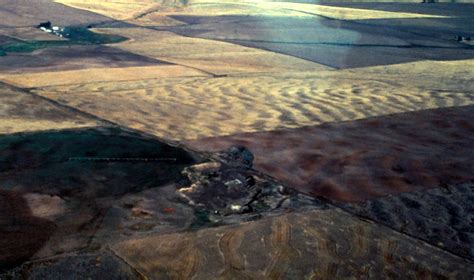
x=228, y=190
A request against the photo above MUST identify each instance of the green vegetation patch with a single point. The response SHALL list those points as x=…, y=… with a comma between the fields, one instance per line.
x=80, y=35
x=201, y=219
x=74, y=36
x=29, y=46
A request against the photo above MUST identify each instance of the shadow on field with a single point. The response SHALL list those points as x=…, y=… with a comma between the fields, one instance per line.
x=40, y=162
x=45, y=197
x=22, y=234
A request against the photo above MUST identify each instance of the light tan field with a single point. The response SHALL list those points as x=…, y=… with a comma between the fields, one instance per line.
x=154, y=19
x=119, y=10
x=342, y=12
x=183, y=109
x=20, y=112
x=441, y=76
x=19, y=124
x=98, y=75
x=141, y=11
x=225, y=8
x=144, y=12
x=207, y=55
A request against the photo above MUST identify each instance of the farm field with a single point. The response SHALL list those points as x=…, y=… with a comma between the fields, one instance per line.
x=236, y=139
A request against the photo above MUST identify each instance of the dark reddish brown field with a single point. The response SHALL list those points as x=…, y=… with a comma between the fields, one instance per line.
x=360, y=160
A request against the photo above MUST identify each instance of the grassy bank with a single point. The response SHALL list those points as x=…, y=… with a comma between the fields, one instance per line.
x=74, y=36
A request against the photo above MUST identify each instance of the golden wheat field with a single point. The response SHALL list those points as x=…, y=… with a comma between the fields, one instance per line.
x=115, y=9
x=99, y=74
x=191, y=108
